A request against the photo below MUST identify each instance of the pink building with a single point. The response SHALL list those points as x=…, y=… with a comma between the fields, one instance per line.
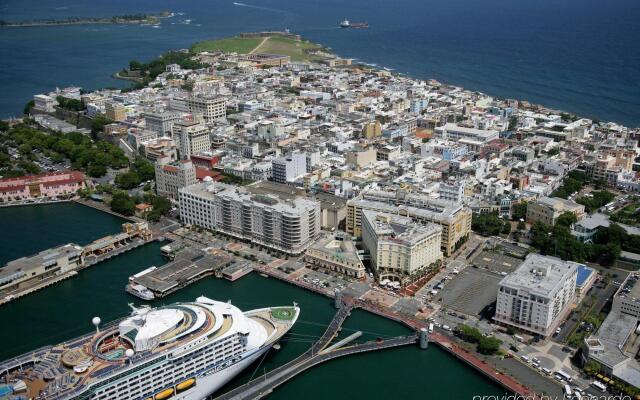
x=53, y=184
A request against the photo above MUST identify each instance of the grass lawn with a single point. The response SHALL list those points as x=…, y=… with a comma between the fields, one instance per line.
x=228, y=45
x=289, y=47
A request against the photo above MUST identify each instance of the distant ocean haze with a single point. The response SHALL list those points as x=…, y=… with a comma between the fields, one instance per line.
x=581, y=56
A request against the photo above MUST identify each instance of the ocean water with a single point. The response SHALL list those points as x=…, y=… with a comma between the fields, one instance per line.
x=581, y=56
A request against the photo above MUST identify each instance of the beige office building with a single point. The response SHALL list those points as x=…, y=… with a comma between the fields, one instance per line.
x=211, y=108
x=454, y=219
x=191, y=137
x=401, y=249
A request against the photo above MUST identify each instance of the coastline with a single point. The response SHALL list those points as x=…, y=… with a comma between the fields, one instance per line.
x=143, y=19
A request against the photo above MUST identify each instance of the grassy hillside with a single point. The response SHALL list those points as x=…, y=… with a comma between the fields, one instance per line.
x=228, y=45
x=274, y=44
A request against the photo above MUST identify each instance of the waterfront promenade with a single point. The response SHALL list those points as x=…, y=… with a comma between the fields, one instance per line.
x=411, y=321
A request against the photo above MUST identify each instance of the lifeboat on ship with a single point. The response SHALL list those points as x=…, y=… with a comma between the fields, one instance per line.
x=185, y=384
x=165, y=394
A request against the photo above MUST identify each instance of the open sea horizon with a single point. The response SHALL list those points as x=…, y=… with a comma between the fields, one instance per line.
x=579, y=56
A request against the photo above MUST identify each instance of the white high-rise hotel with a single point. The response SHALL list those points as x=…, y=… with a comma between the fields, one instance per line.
x=537, y=295
x=286, y=224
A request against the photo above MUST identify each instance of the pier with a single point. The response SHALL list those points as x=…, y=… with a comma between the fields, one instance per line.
x=29, y=274
x=318, y=353
x=189, y=265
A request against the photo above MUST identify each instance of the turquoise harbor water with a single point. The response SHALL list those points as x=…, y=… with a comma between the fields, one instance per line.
x=582, y=56
x=65, y=310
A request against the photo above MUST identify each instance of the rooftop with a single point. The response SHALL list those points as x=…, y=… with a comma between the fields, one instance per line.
x=541, y=275
x=401, y=230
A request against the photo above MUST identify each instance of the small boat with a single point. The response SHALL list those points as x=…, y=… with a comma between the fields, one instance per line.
x=140, y=291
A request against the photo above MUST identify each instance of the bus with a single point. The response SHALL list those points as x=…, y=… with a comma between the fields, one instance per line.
x=599, y=385
x=563, y=375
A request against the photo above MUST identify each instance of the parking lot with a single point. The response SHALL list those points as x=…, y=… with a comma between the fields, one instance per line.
x=471, y=291
x=496, y=262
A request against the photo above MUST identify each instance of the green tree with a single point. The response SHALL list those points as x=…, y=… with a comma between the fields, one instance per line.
x=98, y=123
x=127, y=180
x=519, y=211
x=567, y=219
x=487, y=224
x=489, y=345
x=145, y=170
x=28, y=107
x=123, y=204
x=96, y=170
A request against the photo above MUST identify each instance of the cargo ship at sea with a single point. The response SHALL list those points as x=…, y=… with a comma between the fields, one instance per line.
x=182, y=351
x=355, y=25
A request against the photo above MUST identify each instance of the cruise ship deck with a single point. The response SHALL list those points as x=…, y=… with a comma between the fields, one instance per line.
x=118, y=349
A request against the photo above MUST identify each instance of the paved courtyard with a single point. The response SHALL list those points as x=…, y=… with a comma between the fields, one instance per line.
x=496, y=262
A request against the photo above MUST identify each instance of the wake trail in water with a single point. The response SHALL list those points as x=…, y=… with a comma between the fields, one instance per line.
x=235, y=3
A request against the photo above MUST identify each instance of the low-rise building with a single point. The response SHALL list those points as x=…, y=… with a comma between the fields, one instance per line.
x=115, y=111
x=615, y=346
x=54, y=184
x=336, y=253
x=27, y=270
x=548, y=209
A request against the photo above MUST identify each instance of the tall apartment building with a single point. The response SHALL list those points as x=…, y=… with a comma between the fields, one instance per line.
x=401, y=250
x=454, y=219
x=287, y=223
x=115, y=111
x=161, y=122
x=288, y=169
x=170, y=177
x=548, y=209
x=537, y=295
x=191, y=137
x=211, y=108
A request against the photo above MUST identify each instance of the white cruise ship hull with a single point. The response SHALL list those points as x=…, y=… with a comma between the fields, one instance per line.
x=209, y=384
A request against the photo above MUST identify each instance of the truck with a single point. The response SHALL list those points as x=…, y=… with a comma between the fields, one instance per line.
x=431, y=327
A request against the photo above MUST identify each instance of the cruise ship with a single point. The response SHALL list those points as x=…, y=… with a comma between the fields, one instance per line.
x=182, y=351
